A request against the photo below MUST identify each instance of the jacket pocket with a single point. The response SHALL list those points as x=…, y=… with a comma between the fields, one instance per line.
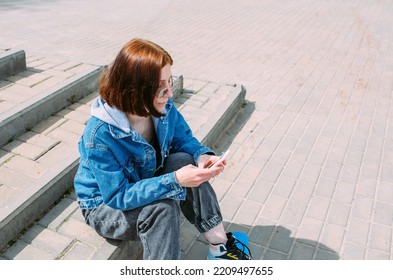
x=131, y=168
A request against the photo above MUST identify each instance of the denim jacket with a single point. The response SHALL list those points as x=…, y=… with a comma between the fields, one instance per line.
x=117, y=166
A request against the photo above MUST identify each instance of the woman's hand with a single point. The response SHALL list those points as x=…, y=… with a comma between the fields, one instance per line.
x=192, y=176
x=205, y=161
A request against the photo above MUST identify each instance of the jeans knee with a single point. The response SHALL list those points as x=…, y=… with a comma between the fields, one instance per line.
x=169, y=207
x=162, y=212
x=160, y=231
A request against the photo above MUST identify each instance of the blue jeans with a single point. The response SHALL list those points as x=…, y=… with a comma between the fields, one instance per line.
x=157, y=225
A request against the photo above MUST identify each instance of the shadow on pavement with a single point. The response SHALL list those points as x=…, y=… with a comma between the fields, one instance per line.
x=268, y=243
x=276, y=243
x=272, y=242
x=238, y=122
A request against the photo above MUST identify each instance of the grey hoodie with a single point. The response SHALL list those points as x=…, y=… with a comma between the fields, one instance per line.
x=111, y=115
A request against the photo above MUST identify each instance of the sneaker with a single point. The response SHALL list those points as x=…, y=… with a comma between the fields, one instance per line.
x=234, y=249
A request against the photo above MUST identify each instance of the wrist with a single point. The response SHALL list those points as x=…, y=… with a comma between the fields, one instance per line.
x=176, y=179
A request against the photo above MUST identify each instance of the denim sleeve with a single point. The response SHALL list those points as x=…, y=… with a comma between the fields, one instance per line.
x=119, y=193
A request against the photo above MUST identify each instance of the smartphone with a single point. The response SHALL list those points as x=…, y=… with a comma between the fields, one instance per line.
x=220, y=159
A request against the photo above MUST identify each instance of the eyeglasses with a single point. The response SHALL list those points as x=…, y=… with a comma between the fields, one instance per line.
x=164, y=90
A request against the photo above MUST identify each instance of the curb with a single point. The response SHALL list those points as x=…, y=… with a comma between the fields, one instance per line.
x=12, y=61
x=29, y=113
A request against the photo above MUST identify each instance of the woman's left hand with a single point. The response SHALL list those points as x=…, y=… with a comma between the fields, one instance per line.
x=206, y=160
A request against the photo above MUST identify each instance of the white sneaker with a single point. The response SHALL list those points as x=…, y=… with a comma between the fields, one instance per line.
x=234, y=249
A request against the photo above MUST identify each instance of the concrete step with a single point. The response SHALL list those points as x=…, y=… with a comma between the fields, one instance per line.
x=12, y=61
x=38, y=167
x=42, y=89
x=27, y=98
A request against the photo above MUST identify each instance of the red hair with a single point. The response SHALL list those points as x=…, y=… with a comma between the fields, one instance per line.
x=132, y=81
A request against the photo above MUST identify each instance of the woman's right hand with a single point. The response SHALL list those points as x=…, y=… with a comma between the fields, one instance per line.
x=192, y=176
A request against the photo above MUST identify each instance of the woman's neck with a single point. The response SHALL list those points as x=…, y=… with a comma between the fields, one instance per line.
x=135, y=120
x=143, y=125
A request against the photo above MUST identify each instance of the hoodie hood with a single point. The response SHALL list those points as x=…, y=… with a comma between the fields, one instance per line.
x=111, y=115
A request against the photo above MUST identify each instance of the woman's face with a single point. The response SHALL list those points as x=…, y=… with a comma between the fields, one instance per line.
x=165, y=86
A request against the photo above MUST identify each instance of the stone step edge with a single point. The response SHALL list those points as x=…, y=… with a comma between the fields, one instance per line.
x=210, y=132
x=208, y=135
x=34, y=206
x=12, y=61
x=26, y=115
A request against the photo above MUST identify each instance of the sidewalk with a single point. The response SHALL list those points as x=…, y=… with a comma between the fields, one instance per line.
x=311, y=163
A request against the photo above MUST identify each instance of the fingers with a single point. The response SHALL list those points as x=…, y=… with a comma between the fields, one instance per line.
x=204, y=174
x=192, y=176
x=216, y=170
x=203, y=160
x=209, y=162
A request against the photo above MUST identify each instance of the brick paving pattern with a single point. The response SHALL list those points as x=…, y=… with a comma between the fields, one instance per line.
x=310, y=173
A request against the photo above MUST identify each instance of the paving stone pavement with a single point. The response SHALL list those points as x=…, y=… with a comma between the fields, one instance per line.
x=310, y=173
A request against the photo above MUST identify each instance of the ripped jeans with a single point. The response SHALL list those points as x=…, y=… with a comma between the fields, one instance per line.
x=157, y=225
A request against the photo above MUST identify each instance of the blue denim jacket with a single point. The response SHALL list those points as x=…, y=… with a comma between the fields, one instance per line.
x=117, y=166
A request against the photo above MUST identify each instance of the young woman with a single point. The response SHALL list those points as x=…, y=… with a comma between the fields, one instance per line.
x=140, y=164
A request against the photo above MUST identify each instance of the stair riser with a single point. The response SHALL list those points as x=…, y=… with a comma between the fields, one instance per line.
x=11, y=63
x=21, y=118
x=37, y=205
